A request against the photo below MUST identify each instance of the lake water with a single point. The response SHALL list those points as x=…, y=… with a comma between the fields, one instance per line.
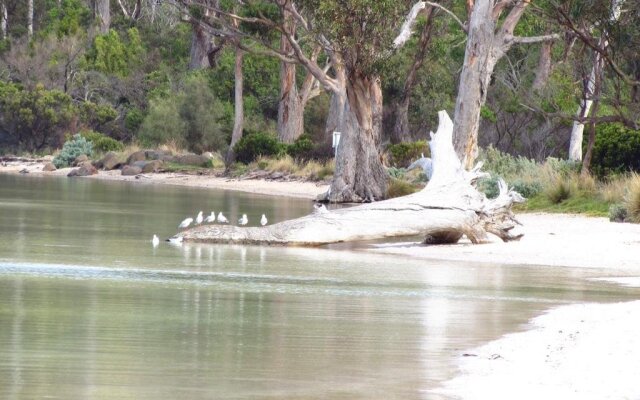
x=90, y=310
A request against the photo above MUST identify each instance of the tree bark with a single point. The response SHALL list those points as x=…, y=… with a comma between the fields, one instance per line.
x=544, y=67
x=359, y=175
x=204, y=50
x=30, y=19
x=401, y=131
x=445, y=210
x=577, y=132
x=238, y=121
x=597, y=87
x=480, y=58
x=4, y=16
x=102, y=14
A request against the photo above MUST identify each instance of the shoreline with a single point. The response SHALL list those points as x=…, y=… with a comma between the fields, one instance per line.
x=578, y=351
x=296, y=189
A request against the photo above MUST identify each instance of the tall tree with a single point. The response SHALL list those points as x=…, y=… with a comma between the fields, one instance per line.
x=102, y=12
x=357, y=35
x=204, y=49
x=577, y=132
x=4, y=17
x=293, y=100
x=30, y=19
x=238, y=121
x=489, y=37
x=401, y=127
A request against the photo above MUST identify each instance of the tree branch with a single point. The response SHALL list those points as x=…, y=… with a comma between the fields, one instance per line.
x=514, y=16
x=407, y=27
x=532, y=39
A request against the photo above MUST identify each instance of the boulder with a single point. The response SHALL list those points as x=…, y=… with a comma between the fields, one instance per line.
x=109, y=161
x=157, y=154
x=85, y=169
x=80, y=159
x=129, y=170
x=48, y=167
x=191, y=159
x=152, y=166
x=137, y=156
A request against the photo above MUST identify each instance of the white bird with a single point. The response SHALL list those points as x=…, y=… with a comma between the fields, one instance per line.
x=177, y=240
x=244, y=220
x=263, y=220
x=155, y=241
x=185, y=223
x=199, y=218
x=222, y=219
x=211, y=218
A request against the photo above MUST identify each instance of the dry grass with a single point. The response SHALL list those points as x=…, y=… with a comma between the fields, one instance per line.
x=172, y=147
x=312, y=170
x=632, y=198
x=398, y=188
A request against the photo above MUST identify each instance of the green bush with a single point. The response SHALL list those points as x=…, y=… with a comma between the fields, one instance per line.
x=527, y=189
x=489, y=186
x=102, y=143
x=397, y=173
x=403, y=154
x=301, y=149
x=71, y=150
x=559, y=191
x=255, y=144
x=617, y=213
x=616, y=150
x=162, y=124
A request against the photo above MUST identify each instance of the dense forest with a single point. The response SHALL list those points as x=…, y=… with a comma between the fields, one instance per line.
x=536, y=79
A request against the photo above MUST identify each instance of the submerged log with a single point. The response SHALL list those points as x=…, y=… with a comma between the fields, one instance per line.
x=447, y=208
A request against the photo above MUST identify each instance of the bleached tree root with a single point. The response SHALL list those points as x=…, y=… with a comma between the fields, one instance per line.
x=447, y=208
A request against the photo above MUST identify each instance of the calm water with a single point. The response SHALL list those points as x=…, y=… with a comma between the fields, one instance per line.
x=90, y=310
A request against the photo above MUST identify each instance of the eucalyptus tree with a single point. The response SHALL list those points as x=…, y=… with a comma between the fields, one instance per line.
x=357, y=37
x=102, y=12
x=490, y=35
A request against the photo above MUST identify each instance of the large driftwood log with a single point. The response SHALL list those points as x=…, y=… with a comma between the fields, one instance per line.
x=447, y=208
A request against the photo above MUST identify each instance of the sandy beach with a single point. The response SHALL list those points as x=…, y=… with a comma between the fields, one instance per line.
x=581, y=351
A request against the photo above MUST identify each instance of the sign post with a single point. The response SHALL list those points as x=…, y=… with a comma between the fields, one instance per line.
x=336, y=142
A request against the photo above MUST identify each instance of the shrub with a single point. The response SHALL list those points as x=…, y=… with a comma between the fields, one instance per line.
x=255, y=144
x=102, y=143
x=616, y=150
x=489, y=186
x=527, y=189
x=617, y=213
x=559, y=191
x=399, y=188
x=71, y=150
x=163, y=124
x=403, y=154
x=397, y=173
x=301, y=149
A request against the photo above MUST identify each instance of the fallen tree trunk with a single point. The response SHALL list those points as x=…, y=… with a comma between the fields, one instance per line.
x=447, y=208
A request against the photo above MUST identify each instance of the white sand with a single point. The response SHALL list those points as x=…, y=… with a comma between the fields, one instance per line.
x=584, y=351
x=549, y=239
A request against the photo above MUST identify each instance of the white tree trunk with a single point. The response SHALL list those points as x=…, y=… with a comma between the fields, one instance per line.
x=3, y=21
x=577, y=132
x=238, y=122
x=447, y=208
x=30, y=19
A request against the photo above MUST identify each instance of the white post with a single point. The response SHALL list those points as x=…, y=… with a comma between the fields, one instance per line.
x=336, y=142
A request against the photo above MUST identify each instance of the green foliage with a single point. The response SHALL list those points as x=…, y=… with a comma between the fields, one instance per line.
x=527, y=189
x=162, y=124
x=301, y=149
x=403, y=154
x=69, y=18
x=397, y=188
x=133, y=119
x=34, y=119
x=112, y=55
x=255, y=144
x=397, y=173
x=71, y=150
x=488, y=114
x=102, y=143
x=617, y=213
x=96, y=115
x=191, y=119
x=616, y=150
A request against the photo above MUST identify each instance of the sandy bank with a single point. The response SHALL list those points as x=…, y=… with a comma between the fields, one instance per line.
x=550, y=239
x=581, y=352
x=298, y=189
